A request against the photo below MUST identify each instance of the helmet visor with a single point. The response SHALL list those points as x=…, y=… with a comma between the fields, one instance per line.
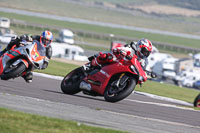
x=46, y=42
x=145, y=52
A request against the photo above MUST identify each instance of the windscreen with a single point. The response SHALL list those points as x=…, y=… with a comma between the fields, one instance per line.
x=40, y=48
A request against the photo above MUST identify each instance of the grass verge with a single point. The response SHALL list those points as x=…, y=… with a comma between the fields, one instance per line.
x=18, y=122
x=58, y=68
x=169, y=90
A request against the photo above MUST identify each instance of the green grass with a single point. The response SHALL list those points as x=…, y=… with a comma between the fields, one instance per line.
x=166, y=90
x=18, y=122
x=58, y=68
x=129, y=33
x=123, y=1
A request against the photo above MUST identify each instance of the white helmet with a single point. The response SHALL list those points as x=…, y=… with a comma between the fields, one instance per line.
x=144, y=48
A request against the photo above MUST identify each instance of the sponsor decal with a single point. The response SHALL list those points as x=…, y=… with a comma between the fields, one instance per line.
x=104, y=73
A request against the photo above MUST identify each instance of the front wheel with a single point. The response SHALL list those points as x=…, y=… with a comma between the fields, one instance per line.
x=13, y=72
x=70, y=83
x=112, y=94
x=197, y=101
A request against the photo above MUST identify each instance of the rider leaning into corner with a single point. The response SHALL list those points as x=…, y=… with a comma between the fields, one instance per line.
x=45, y=39
x=141, y=49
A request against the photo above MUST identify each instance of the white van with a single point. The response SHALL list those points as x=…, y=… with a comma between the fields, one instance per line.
x=4, y=22
x=169, y=68
x=166, y=68
x=70, y=52
x=66, y=36
x=156, y=57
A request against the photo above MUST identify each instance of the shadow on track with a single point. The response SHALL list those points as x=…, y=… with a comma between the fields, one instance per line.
x=88, y=97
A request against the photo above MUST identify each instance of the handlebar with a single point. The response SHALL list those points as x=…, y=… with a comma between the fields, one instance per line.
x=152, y=74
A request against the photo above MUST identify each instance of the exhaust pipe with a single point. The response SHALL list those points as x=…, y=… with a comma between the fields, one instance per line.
x=85, y=86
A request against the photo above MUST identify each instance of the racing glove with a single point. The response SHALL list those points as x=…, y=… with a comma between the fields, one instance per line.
x=27, y=37
x=102, y=56
x=45, y=64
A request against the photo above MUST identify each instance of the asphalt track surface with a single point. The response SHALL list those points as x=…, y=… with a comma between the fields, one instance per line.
x=137, y=113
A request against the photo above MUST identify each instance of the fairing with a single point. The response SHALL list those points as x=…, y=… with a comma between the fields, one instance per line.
x=32, y=55
x=103, y=77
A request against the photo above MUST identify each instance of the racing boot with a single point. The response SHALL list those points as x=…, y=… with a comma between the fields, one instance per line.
x=28, y=77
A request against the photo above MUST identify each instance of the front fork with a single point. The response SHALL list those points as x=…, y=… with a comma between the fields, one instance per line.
x=121, y=81
x=118, y=81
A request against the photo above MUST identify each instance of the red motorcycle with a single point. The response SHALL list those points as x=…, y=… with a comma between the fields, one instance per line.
x=197, y=101
x=114, y=81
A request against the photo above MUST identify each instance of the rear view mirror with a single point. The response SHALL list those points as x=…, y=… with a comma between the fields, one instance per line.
x=153, y=75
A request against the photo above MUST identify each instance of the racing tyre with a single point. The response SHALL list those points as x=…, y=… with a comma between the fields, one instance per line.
x=70, y=83
x=13, y=72
x=197, y=101
x=113, y=94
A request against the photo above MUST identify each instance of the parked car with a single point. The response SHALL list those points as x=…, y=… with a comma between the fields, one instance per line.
x=6, y=38
x=188, y=81
x=185, y=78
x=6, y=35
x=197, y=84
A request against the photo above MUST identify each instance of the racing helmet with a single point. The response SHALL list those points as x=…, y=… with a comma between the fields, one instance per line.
x=144, y=48
x=46, y=38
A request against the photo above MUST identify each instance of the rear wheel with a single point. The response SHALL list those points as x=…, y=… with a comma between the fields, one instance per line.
x=197, y=101
x=70, y=83
x=13, y=72
x=114, y=94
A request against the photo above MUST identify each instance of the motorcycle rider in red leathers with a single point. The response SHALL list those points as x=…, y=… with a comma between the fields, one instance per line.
x=141, y=49
x=45, y=39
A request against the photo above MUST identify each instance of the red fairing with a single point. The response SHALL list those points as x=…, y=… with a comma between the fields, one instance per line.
x=1, y=65
x=104, y=75
x=138, y=66
x=11, y=56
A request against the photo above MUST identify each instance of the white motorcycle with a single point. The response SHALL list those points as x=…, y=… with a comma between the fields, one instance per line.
x=19, y=60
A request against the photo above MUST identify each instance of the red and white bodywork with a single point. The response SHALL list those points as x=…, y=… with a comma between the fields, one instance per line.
x=27, y=57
